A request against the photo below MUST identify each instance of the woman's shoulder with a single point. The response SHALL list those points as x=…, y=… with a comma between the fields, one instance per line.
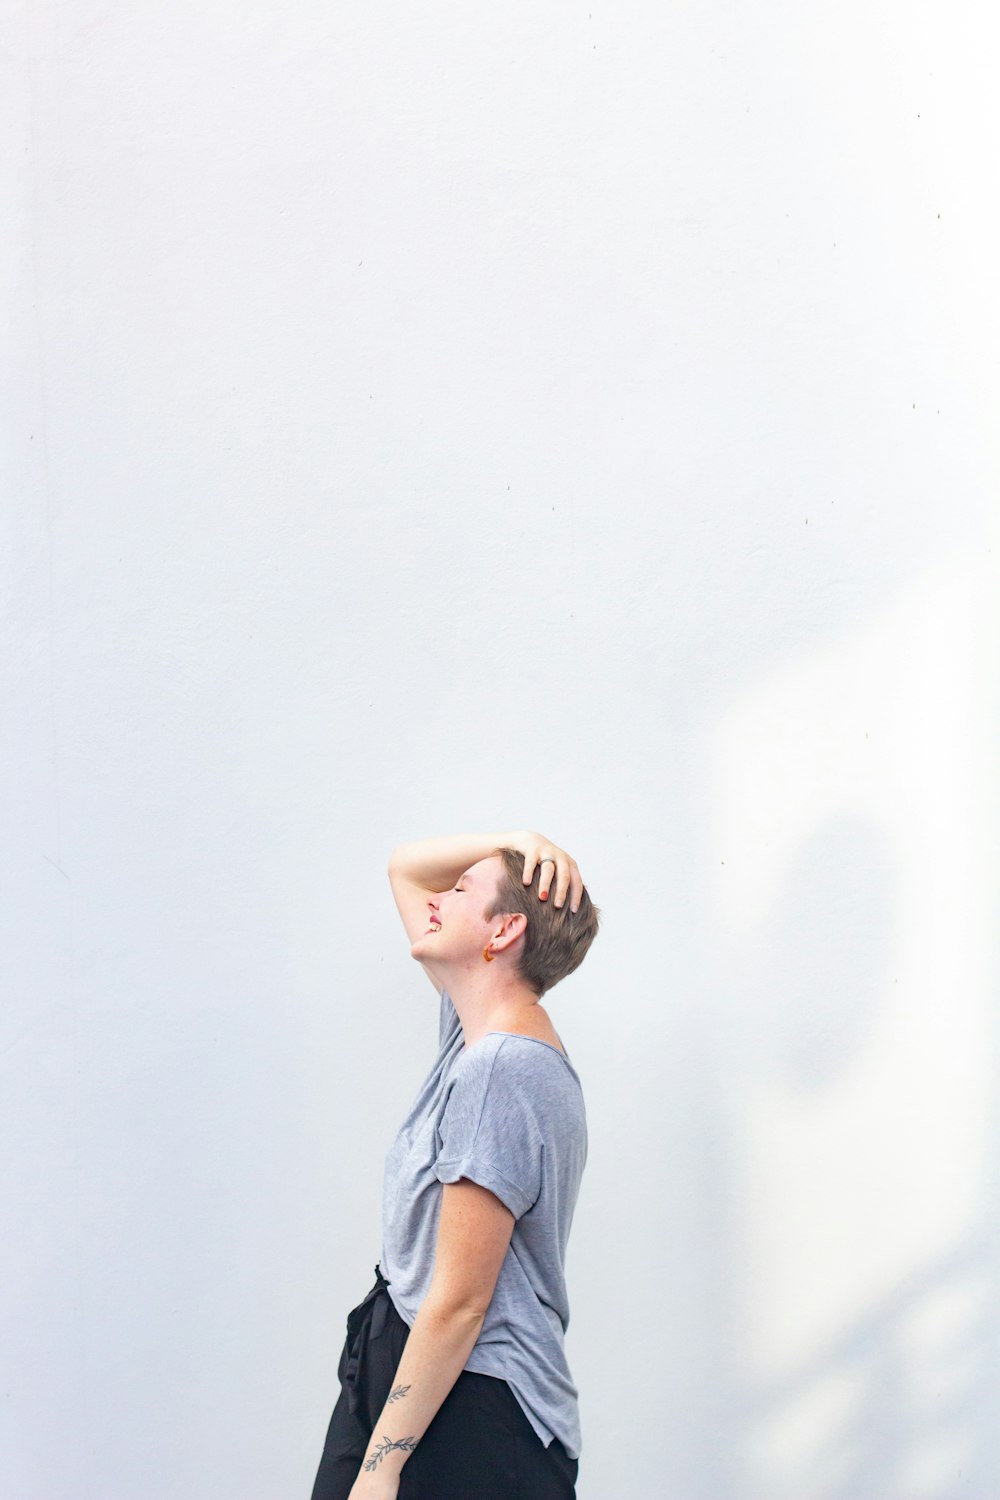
x=530, y=1062
x=516, y=1076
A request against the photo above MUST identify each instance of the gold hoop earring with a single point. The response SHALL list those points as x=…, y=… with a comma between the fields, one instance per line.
x=489, y=957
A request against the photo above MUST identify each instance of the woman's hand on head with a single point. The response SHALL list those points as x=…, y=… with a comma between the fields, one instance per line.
x=564, y=878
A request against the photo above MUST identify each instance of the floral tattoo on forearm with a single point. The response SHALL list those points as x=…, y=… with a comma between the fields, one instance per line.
x=406, y=1444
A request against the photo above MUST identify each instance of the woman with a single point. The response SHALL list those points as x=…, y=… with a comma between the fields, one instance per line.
x=454, y=1381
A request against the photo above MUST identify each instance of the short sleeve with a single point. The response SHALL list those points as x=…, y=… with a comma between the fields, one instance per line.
x=488, y=1129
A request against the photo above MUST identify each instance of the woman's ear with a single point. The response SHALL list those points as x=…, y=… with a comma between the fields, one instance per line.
x=513, y=925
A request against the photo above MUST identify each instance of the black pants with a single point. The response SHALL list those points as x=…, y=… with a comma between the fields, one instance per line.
x=478, y=1446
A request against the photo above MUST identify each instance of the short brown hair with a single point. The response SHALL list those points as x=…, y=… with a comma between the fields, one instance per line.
x=556, y=939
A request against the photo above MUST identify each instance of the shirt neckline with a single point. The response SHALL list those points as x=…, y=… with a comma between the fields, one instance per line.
x=525, y=1038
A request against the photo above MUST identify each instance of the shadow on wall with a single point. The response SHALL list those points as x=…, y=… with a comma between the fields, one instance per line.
x=866, y=1096
x=903, y=1403
x=857, y=1057
x=823, y=960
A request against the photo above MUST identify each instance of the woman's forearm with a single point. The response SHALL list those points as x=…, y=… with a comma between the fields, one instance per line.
x=436, y=863
x=438, y=1344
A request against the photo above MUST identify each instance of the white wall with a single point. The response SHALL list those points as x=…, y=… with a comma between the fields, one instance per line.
x=431, y=418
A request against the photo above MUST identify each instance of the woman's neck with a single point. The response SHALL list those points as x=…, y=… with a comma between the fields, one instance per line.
x=486, y=1009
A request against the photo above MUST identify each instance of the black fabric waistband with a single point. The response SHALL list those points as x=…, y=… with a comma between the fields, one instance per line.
x=359, y=1328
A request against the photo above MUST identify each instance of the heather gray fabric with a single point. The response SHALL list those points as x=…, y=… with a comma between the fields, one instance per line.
x=508, y=1113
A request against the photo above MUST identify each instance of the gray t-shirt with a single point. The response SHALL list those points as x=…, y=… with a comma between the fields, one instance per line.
x=508, y=1113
